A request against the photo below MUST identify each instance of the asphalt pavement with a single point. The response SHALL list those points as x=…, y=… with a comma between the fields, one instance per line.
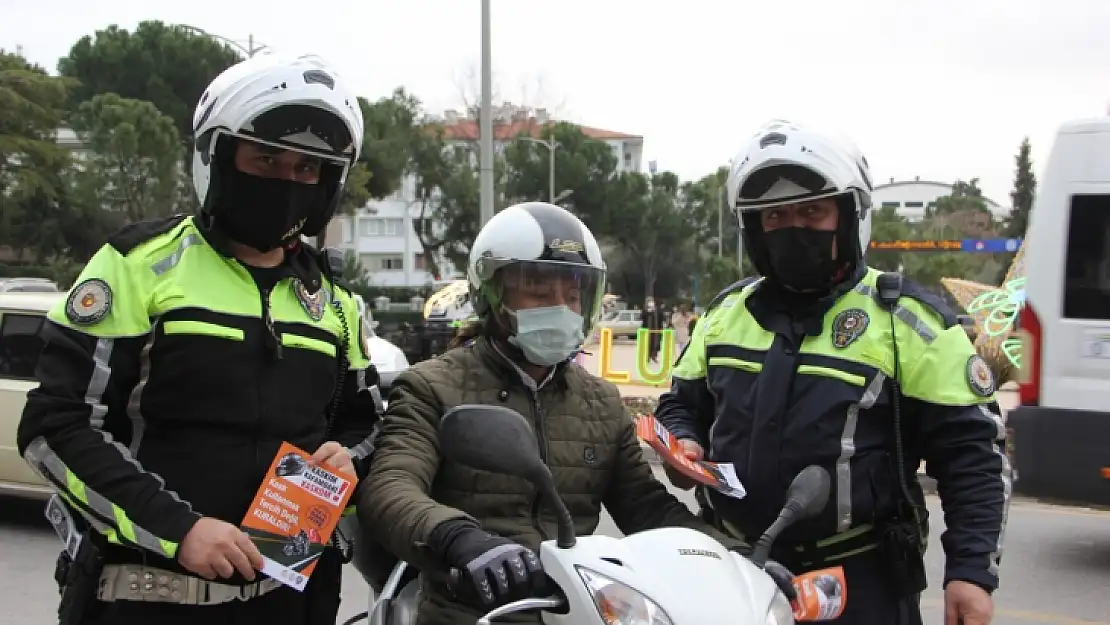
x=1056, y=569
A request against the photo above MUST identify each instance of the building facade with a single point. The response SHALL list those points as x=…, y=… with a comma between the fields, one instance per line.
x=383, y=233
x=911, y=197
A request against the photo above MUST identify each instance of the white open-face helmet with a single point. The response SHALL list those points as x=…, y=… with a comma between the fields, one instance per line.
x=536, y=244
x=293, y=103
x=786, y=163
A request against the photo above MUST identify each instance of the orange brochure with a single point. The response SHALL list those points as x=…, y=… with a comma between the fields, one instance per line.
x=717, y=475
x=822, y=595
x=293, y=515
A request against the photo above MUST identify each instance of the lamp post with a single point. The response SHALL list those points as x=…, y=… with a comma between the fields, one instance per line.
x=485, y=125
x=249, y=50
x=551, y=146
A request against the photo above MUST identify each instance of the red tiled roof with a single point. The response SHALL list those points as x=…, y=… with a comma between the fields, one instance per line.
x=467, y=130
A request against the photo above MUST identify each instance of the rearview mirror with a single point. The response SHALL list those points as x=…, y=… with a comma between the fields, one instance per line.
x=491, y=438
x=809, y=491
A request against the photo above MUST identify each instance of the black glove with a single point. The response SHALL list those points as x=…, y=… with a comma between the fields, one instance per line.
x=783, y=578
x=500, y=570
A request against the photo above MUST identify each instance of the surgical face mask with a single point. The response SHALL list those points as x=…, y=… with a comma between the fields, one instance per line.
x=547, y=335
x=802, y=258
x=263, y=213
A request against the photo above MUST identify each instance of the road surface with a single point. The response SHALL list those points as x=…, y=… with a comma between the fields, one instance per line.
x=1056, y=569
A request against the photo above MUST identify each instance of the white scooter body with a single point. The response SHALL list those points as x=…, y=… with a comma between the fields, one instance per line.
x=686, y=574
x=694, y=579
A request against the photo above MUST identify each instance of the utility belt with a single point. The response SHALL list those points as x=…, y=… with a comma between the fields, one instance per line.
x=816, y=554
x=897, y=543
x=132, y=582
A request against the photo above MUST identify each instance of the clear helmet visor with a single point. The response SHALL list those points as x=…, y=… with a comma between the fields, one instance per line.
x=520, y=285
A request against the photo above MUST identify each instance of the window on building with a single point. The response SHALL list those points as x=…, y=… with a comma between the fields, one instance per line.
x=392, y=263
x=19, y=345
x=371, y=227
x=425, y=226
x=393, y=227
x=891, y=204
x=1087, y=264
x=348, y=230
x=418, y=262
x=915, y=204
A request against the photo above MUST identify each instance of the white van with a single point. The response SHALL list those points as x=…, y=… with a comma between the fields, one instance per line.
x=1061, y=431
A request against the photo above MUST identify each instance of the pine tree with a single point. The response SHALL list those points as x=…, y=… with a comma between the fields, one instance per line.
x=1025, y=188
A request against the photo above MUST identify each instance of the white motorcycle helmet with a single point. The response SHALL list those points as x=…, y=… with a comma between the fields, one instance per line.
x=533, y=246
x=785, y=163
x=285, y=102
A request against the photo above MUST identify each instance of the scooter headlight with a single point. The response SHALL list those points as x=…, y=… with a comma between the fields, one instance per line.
x=780, y=613
x=619, y=604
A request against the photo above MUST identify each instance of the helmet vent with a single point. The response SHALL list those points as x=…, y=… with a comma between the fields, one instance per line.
x=774, y=138
x=319, y=77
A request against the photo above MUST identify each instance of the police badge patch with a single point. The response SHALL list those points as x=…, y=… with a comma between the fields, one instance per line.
x=979, y=376
x=89, y=302
x=849, y=325
x=313, y=303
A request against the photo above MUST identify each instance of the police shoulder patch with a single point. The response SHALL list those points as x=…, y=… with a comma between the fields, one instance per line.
x=980, y=378
x=849, y=325
x=89, y=302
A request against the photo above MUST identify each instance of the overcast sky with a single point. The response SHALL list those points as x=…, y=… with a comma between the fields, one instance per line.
x=941, y=89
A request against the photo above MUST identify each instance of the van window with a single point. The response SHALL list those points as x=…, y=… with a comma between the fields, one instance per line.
x=1087, y=268
x=19, y=345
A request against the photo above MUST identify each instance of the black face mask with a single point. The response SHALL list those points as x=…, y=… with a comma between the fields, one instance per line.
x=263, y=213
x=801, y=258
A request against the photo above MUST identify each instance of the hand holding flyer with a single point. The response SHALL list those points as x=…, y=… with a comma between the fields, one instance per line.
x=293, y=515
x=822, y=595
x=720, y=476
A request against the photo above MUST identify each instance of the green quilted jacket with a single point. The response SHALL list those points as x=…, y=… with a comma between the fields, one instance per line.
x=587, y=439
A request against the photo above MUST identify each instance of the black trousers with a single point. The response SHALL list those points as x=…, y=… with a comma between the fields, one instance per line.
x=318, y=604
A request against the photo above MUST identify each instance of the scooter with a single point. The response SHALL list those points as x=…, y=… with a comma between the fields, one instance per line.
x=668, y=576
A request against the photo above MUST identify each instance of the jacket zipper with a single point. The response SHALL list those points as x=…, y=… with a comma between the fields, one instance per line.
x=273, y=347
x=541, y=438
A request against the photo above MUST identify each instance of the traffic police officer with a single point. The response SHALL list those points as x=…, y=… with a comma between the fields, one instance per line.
x=191, y=348
x=825, y=361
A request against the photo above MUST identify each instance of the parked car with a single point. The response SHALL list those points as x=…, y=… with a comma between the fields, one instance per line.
x=28, y=285
x=386, y=357
x=21, y=316
x=624, y=323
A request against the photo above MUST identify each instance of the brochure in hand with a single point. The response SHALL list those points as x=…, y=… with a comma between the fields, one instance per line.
x=294, y=513
x=822, y=595
x=720, y=476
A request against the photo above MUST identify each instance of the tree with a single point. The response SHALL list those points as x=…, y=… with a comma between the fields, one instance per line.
x=390, y=127
x=888, y=225
x=1025, y=189
x=167, y=65
x=647, y=222
x=583, y=166
x=32, y=164
x=133, y=165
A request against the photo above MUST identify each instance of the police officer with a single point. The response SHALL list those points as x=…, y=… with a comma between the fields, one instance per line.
x=825, y=361
x=192, y=347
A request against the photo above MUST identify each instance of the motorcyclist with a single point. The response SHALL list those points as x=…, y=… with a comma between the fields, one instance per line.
x=823, y=361
x=191, y=347
x=537, y=280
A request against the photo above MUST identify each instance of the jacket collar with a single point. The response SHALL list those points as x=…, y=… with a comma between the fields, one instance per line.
x=301, y=260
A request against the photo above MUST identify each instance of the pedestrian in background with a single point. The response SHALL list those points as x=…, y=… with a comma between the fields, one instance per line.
x=680, y=321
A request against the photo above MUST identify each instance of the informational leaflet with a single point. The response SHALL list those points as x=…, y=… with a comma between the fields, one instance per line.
x=720, y=476
x=822, y=595
x=293, y=515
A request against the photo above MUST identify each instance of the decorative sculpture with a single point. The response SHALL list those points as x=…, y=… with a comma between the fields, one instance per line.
x=994, y=310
